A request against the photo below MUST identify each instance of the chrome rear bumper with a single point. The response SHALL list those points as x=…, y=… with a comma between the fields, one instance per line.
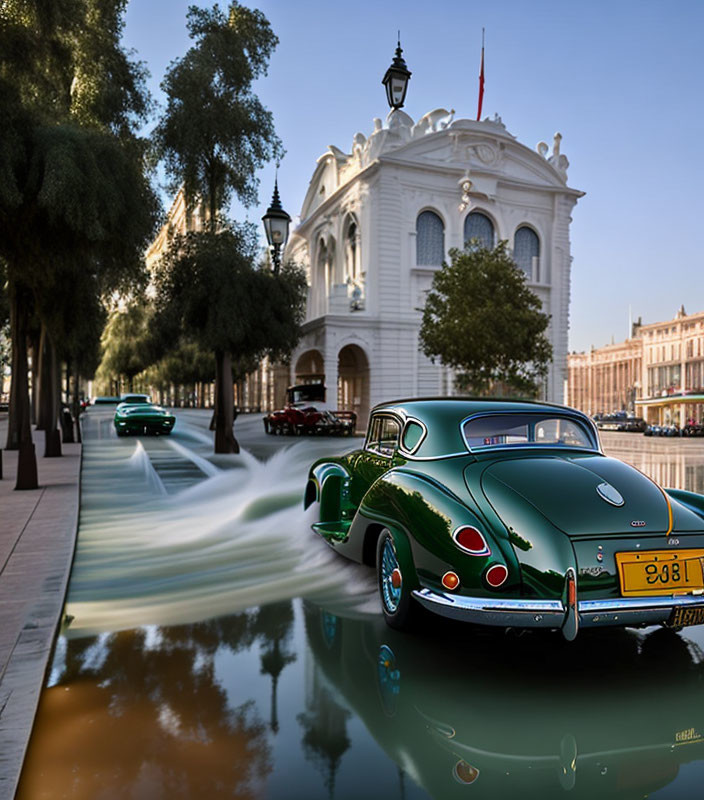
x=525, y=613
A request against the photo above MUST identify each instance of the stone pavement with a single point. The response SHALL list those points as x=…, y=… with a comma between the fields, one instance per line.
x=37, y=539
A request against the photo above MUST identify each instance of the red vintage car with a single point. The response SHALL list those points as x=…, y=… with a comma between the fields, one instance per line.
x=306, y=413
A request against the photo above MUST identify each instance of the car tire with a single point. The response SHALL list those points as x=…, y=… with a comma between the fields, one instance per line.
x=397, y=604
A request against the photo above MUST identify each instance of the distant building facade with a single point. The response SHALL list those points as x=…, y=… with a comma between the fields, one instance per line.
x=378, y=222
x=658, y=373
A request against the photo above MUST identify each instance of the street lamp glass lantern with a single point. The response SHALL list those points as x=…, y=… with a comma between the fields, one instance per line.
x=276, y=222
x=276, y=225
x=396, y=80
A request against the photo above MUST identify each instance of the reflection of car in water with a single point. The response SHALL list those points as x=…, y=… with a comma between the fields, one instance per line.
x=307, y=413
x=509, y=514
x=519, y=717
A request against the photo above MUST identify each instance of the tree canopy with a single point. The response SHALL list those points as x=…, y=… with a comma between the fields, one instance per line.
x=76, y=205
x=215, y=133
x=481, y=319
x=207, y=285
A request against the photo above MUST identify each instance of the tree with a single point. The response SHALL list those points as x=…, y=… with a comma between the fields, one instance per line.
x=206, y=284
x=74, y=193
x=481, y=319
x=215, y=133
x=125, y=345
x=212, y=137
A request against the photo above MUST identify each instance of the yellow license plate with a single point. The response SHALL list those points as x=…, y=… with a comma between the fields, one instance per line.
x=660, y=572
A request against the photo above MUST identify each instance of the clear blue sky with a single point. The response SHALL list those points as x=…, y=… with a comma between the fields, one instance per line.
x=621, y=80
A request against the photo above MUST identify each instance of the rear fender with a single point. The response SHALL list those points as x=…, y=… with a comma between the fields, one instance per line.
x=429, y=514
x=327, y=485
x=691, y=500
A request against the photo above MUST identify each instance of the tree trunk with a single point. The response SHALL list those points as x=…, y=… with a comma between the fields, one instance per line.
x=66, y=419
x=77, y=408
x=49, y=392
x=19, y=431
x=225, y=441
x=39, y=369
x=34, y=345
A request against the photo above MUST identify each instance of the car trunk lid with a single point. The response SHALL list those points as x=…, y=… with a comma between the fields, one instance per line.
x=576, y=494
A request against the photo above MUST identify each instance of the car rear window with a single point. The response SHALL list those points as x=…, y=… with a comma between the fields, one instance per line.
x=506, y=430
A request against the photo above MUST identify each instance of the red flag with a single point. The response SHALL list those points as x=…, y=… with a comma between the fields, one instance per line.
x=481, y=82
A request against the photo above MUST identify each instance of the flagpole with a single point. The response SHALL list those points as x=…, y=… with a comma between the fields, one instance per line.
x=481, y=82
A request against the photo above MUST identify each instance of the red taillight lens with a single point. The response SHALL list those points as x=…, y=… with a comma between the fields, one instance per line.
x=471, y=540
x=496, y=575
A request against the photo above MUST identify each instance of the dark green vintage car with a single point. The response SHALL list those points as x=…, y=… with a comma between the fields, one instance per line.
x=143, y=418
x=509, y=514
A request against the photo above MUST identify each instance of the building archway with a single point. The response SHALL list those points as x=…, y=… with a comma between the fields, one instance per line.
x=310, y=367
x=353, y=383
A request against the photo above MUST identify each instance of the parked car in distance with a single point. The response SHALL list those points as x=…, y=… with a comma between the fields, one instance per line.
x=693, y=428
x=105, y=401
x=620, y=421
x=306, y=412
x=144, y=418
x=663, y=430
x=509, y=514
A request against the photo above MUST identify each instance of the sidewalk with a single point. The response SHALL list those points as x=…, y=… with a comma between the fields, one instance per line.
x=37, y=538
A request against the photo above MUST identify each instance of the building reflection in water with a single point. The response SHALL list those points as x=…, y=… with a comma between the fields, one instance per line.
x=366, y=711
x=675, y=463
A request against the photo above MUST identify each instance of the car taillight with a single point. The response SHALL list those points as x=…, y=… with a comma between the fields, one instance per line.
x=496, y=575
x=471, y=541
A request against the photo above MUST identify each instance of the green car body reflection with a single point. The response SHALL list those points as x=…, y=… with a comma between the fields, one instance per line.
x=517, y=716
x=143, y=418
x=509, y=514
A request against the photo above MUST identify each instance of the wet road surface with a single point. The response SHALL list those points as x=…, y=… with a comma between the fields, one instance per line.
x=215, y=648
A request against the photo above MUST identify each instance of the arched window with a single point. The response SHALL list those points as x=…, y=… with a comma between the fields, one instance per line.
x=479, y=226
x=526, y=248
x=352, y=251
x=430, y=239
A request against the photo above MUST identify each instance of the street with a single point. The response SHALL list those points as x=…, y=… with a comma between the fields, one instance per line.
x=213, y=646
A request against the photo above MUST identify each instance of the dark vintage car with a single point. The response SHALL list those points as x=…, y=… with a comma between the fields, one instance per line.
x=306, y=413
x=620, y=421
x=143, y=418
x=509, y=514
x=514, y=716
x=663, y=430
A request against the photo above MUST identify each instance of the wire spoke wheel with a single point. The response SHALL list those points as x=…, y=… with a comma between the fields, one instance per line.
x=391, y=578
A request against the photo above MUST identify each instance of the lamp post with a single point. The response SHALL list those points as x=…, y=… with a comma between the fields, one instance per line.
x=396, y=79
x=276, y=222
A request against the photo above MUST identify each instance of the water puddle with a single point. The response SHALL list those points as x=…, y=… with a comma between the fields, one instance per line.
x=189, y=666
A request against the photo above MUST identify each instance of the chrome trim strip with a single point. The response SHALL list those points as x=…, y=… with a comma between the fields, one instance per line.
x=570, y=627
x=464, y=453
x=617, y=604
x=530, y=613
x=402, y=450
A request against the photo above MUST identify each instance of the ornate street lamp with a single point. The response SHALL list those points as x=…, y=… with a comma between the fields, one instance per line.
x=396, y=79
x=276, y=222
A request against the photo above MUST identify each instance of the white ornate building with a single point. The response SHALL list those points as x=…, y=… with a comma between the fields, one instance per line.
x=378, y=222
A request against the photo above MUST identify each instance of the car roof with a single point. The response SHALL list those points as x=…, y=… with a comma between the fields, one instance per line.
x=442, y=418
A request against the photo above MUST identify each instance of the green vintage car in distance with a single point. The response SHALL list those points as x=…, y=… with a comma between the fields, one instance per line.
x=143, y=418
x=509, y=514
